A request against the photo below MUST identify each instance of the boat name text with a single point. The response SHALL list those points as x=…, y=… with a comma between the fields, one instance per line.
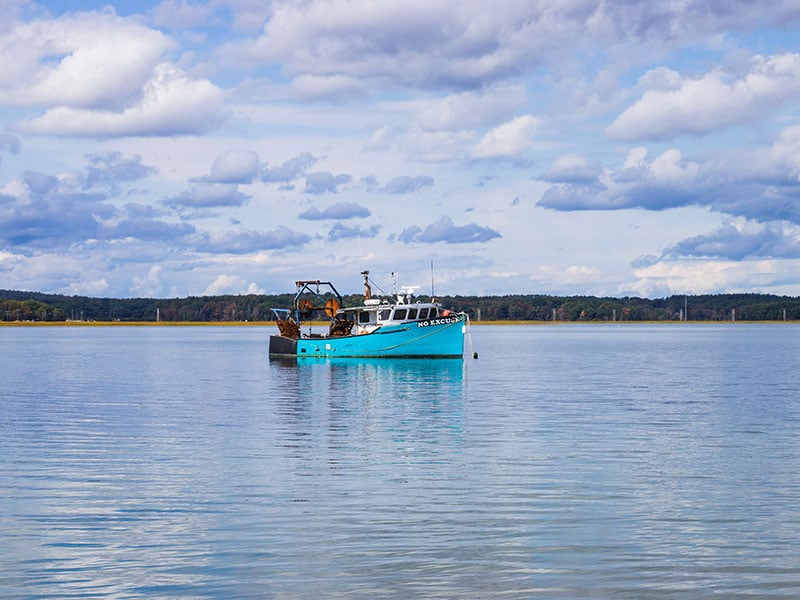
x=442, y=321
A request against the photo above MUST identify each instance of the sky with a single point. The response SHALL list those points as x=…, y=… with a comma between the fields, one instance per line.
x=571, y=147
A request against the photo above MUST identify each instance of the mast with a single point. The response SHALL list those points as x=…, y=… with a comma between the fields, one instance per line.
x=367, y=289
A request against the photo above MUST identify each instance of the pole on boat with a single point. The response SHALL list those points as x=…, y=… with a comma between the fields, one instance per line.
x=433, y=292
x=367, y=288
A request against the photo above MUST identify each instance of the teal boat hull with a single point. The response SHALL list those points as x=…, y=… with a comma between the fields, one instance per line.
x=435, y=338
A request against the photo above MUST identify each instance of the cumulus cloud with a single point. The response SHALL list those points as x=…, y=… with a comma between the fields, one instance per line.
x=444, y=230
x=52, y=214
x=51, y=223
x=470, y=109
x=709, y=277
x=113, y=168
x=207, y=195
x=290, y=170
x=92, y=60
x=737, y=239
x=340, y=210
x=437, y=146
x=234, y=166
x=665, y=182
x=73, y=210
x=150, y=285
x=40, y=184
x=785, y=153
x=762, y=185
x=405, y=184
x=323, y=182
x=28, y=270
x=150, y=229
x=170, y=104
x=136, y=210
x=242, y=242
x=343, y=232
x=466, y=45
x=379, y=40
x=509, y=139
x=97, y=75
x=47, y=212
x=674, y=105
x=381, y=139
x=572, y=168
x=94, y=287
x=232, y=285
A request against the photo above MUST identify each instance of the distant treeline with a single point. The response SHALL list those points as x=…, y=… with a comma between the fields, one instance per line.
x=718, y=307
x=33, y=306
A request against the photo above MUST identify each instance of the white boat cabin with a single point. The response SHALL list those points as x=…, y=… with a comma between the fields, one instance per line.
x=377, y=313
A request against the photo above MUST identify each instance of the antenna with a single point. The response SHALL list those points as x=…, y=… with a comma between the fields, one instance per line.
x=433, y=292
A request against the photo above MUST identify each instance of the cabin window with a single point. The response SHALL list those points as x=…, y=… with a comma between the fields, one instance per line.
x=423, y=314
x=384, y=314
x=400, y=314
x=363, y=317
x=412, y=314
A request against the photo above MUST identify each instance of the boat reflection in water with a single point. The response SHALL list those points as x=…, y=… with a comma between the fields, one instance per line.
x=412, y=377
x=406, y=397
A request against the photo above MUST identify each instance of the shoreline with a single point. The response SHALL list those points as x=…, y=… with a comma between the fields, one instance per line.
x=323, y=323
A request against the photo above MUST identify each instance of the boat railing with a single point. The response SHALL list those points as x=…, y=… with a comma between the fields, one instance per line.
x=281, y=314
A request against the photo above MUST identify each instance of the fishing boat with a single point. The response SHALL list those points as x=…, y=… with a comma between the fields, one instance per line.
x=399, y=327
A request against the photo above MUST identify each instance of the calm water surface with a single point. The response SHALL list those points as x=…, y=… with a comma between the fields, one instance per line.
x=566, y=462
